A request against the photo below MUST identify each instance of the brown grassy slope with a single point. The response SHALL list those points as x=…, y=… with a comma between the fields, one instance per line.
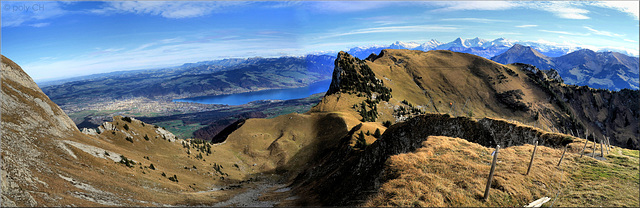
x=447, y=77
x=39, y=167
x=194, y=175
x=443, y=77
x=453, y=172
x=46, y=161
x=287, y=142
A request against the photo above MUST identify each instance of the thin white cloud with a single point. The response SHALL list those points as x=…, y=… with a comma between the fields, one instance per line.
x=563, y=32
x=563, y=9
x=42, y=24
x=605, y=33
x=346, y=6
x=479, y=20
x=567, y=10
x=472, y=5
x=629, y=40
x=505, y=33
x=394, y=29
x=167, y=9
x=385, y=20
x=526, y=26
x=629, y=7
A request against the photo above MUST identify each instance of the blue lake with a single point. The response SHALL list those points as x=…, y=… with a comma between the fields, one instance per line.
x=277, y=94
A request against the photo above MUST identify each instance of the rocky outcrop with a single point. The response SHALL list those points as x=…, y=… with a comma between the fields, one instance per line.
x=106, y=126
x=553, y=75
x=334, y=87
x=354, y=76
x=130, y=132
x=166, y=134
x=91, y=132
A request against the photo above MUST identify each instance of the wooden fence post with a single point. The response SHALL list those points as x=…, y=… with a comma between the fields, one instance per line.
x=562, y=157
x=532, y=155
x=601, y=149
x=594, y=147
x=609, y=142
x=584, y=148
x=493, y=167
x=586, y=135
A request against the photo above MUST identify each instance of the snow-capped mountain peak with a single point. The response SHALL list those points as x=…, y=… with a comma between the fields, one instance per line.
x=403, y=45
x=499, y=42
x=476, y=42
x=429, y=45
x=484, y=48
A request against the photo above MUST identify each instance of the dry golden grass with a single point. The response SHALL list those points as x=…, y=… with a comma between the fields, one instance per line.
x=435, y=79
x=139, y=185
x=453, y=172
x=286, y=142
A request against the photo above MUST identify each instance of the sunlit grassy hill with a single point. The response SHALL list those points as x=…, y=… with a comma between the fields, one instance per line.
x=453, y=172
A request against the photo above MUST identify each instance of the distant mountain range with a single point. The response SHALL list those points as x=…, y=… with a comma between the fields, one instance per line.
x=476, y=46
x=196, y=79
x=608, y=70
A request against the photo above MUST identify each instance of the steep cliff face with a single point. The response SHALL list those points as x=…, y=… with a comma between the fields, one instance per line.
x=354, y=76
x=27, y=116
x=604, y=113
x=42, y=115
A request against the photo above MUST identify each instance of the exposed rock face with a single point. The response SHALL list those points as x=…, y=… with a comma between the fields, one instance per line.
x=17, y=86
x=553, y=74
x=353, y=75
x=337, y=73
x=344, y=177
x=107, y=126
x=166, y=134
x=89, y=131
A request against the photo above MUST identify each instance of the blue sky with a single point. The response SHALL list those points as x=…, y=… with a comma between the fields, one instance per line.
x=65, y=39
